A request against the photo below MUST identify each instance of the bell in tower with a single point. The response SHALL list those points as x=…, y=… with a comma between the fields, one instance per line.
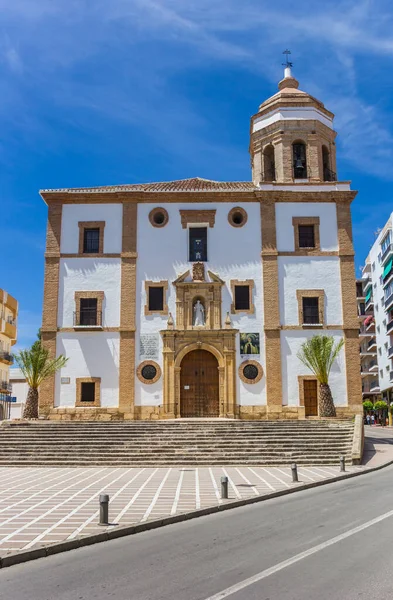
x=292, y=137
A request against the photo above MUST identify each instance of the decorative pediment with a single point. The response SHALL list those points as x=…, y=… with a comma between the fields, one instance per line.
x=197, y=216
x=182, y=278
x=198, y=302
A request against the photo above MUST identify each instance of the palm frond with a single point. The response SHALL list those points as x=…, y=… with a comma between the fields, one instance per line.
x=318, y=354
x=36, y=364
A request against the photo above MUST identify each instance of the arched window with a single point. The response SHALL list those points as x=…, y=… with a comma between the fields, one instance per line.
x=299, y=160
x=328, y=174
x=269, y=168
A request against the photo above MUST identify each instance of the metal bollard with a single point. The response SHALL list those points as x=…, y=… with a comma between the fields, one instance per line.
x=294, y=472
x=342, y=463
x=224, y=487
x=104, y=509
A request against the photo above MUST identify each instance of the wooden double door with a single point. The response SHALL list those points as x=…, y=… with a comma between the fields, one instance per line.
x=199, y=385
x=310, y=389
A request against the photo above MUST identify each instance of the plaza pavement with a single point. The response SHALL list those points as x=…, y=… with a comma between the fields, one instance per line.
x=47, y=505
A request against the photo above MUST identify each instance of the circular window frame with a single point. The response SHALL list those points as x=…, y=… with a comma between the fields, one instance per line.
x=254, y=363
x=146, y=363
x=156, y=210
x=231, y=214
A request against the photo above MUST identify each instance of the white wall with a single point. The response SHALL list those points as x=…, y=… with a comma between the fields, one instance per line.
x=91, y=354
x=291, y=342
x=90, y=274
x=112, y=214
x=327, y=223
x=309, y=273
x=233, y=253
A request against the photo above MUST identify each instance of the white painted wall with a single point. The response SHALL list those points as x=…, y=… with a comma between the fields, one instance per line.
x=91, y=354
x=328, y=223
x=293, y=114
x=90, y=274
x=112, y=214
x=309, y=273
x=233, y=253
x=291, y=342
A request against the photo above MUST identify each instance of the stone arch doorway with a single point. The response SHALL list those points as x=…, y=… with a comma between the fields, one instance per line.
x=199, y=385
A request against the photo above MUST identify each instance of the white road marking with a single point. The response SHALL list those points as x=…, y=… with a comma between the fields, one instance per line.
x=197, y=494
x=217, y=493
x=177, y=493
x=48, y=512
x=95, y=514
x=76, y=509
x=254, y=489
x=156, y=496
x=262, y=479
x=135, y=496
x=298, y=557
x=324, y=476
x=237, y=494
x=275, y=477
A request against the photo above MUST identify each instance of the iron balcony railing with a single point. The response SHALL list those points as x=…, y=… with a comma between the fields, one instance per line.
x=390, y=351
x=6, y=356
x=5, y=385
x=329, y=175
x=389, y=326
x=88, y=318
x=374, y=385
x=388, y=300
x=372, y=342
x=386, y=253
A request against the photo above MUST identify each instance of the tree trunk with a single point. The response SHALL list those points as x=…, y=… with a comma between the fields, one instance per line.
x=31, y=408
x=326, y=404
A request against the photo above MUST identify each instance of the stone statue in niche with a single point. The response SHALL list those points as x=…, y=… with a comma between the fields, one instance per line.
x=199, y=314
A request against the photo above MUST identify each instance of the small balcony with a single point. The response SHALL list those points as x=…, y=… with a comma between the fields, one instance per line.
x=88, y=319
x=388, y=301
x=5, y=387
x=374, y=386
x=387, y=253
x=371, y=344
x=389, y=327
x=390, y=352
x=366, y=284
x=6, y=358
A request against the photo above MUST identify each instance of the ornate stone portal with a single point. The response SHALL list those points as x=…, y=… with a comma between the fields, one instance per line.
x=186, y=333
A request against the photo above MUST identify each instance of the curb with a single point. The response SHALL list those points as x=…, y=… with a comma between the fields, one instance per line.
x=21, y=556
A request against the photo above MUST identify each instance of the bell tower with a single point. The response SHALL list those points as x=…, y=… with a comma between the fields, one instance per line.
x=292, y=137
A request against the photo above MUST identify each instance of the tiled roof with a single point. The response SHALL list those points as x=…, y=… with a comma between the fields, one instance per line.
x=195, y=184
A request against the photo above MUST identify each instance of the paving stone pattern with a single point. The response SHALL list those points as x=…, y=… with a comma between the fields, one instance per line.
x=46, y=505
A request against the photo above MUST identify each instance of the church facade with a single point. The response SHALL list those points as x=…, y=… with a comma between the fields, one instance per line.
x=192, y=298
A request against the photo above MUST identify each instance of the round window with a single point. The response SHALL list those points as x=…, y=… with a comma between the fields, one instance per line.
x=158, y=217
x=149, y=372
x=250, y=372
x=237, y=217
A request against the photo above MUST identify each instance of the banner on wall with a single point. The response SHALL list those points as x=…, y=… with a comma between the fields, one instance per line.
x=148, y=346
x=249, y=344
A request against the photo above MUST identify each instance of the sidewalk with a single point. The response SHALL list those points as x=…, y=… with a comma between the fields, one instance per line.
x=48, y=505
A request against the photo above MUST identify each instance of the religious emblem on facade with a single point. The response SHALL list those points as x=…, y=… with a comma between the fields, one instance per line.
x=198, y=271
x=249, y=343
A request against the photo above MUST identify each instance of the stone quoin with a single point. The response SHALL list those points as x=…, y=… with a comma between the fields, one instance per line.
x=264, y=264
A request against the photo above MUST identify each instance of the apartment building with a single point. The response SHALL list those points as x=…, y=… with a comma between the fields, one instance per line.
x=192, y=298
x=8, y=319
x=376, y=329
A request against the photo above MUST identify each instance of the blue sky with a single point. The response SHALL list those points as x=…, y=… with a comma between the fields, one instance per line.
x=100, y=92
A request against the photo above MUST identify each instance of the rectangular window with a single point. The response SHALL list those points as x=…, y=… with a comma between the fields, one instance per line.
x=306, y=236
x=88, y=311
x=197, y=244
x=242, y=297
x=156, y=298
x=310, y=310
x=88, y=391
x=386, y=242
x=91, y=241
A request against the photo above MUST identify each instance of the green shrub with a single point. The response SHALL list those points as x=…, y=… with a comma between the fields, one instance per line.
x=380, y=405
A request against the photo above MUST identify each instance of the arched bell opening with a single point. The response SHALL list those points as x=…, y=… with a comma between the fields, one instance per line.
x=269, y=167
x=299, y=155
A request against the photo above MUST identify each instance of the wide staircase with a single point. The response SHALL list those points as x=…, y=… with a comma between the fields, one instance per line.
x=165, y=443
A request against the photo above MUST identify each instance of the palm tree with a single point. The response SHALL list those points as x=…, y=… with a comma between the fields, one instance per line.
x=319, y=354
x=36, y=365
